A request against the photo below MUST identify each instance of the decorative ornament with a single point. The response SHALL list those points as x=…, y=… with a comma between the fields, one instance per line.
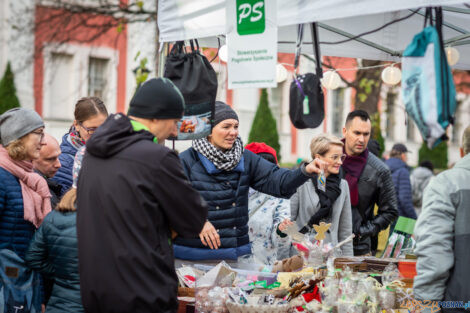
x=453, y=55
x=331, y=80
x=281, y=73
x=293, y=231
x=391, y=75
x=321, y=230
x=223, y=53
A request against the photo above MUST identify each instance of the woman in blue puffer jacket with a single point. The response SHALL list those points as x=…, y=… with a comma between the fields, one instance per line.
x=222, y=171
x=24, y=195
x=24, y=202
x=89, y=114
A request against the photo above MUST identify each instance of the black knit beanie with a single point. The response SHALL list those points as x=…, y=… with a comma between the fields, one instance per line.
x=157, y=98
x=223, y=112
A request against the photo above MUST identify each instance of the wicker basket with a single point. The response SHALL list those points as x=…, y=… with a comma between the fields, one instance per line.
x=185, y=292
x=256, y=308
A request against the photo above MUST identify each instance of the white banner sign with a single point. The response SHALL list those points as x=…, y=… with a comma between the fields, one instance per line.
x=251, y=43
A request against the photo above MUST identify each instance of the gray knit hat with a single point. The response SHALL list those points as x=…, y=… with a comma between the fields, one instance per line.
x=223, y=112
x=16, y=123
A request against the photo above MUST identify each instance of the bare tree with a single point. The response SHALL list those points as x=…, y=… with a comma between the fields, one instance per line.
x=65, y=21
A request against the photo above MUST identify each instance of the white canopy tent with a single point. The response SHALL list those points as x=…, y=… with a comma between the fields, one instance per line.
x=337, y=20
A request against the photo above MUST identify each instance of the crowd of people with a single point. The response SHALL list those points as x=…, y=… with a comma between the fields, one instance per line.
x=107, y=215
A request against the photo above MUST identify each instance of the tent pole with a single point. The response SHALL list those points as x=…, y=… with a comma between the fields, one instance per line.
x=456, y=39
x=461, y=43
x=456, y=10
x=361, y=40
x=162, y=59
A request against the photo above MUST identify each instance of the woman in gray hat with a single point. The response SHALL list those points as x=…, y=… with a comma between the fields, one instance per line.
x=24, y=195
x=223, y=171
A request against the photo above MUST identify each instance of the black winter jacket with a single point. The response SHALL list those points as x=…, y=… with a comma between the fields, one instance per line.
x=226, y=193
x=375, y=186
x=53, y=252
x=131, y=192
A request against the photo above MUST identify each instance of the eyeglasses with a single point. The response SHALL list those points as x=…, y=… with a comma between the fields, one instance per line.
x=336, y=157
x=40, y=133
x=89, y=130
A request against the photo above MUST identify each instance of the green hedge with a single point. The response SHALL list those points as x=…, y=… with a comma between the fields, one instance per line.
x=438, y=155
x=8, y=98
x=264, y=128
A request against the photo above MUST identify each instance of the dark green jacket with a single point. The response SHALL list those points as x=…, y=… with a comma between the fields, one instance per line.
x=53, y=252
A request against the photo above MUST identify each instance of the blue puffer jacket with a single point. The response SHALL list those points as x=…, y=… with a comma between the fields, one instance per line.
x=401, y=180
x=226, y=193
x=54, y=253
x=15, y=232
x=64, y=175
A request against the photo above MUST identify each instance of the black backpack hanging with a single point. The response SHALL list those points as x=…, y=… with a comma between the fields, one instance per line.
x=306, y=100
x=194, y=76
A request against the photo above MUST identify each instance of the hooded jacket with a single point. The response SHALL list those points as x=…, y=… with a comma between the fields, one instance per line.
x=64, y=175
x=226, y=193
x=131, y=192
x=442, y=235
x=401, y=181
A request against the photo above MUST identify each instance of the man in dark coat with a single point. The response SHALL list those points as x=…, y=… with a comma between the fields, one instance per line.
x=401, y=179
x=47, y=166
x=369, y=183
x=131, y=193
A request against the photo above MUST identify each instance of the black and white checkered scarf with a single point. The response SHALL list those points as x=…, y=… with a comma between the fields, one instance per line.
x=225, y=161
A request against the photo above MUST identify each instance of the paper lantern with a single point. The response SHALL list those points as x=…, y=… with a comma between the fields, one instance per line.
x=331, y=80
x=453, y=55
x=223, y=53
x=281, y=73
x=391, y=75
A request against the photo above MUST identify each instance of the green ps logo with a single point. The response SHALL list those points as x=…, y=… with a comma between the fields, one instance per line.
x=250, y=17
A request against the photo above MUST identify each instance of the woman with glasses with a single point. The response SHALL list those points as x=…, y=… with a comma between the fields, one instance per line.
x=90, y=113
x=311, y=205
x=24, y=194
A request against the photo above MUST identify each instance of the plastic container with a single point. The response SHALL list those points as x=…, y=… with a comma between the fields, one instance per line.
x=251, y=274
x=407, y=268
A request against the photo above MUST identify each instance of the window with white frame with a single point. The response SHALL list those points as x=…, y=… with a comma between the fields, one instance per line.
x=59, y=83
x=457, y=125
x=410, y=130
x=97, y=77
x=74, y=71
x=337, y=111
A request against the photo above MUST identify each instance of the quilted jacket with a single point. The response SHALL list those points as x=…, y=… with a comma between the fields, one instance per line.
x=15, y=232
x=226, y=193
x=66, y=158
x=54, y=253
x=401, y=181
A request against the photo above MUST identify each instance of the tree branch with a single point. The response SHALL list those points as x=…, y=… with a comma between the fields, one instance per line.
x=330, y=66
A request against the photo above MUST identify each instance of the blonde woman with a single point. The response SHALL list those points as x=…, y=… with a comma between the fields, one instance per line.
x=310, y=205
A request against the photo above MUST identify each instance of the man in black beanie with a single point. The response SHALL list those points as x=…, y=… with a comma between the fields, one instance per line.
x=131, y=194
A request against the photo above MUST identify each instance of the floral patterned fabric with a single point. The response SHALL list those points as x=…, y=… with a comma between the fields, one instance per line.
x=266, y=212
x=75, y=139
x=77, y=165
